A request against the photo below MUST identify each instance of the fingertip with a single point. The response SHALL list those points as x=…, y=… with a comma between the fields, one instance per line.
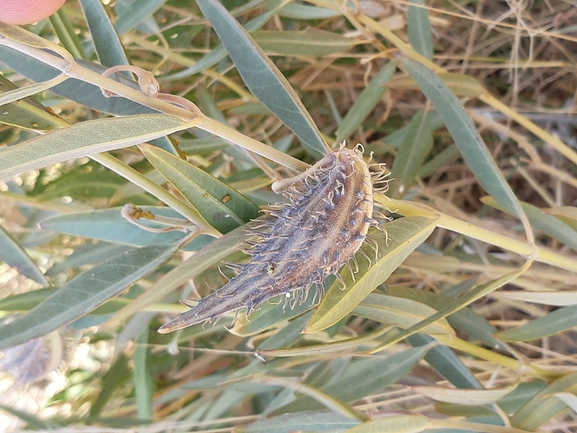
x=27, y=11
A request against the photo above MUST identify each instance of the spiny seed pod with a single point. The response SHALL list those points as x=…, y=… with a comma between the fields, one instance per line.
x=300, y=243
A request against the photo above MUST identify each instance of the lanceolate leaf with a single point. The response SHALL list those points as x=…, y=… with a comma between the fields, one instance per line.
x=419, y=28
x=366, y=376
x=400, y=312
x=106, y=41
x=222, y=206
x=309, y=42
x=317, y=420
x=14, y=255
x=26, y=113
x=543, y=406
x=84, y=293
x=365, y=103
x=550, y=324
x=405, y=235
x=86, y=138
x=262, y=77
x=109, y=225
x=466, y=137
x=464, y=396
x=406, y=423
x=415, y=148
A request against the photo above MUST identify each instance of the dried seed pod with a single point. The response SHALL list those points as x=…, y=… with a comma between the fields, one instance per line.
x=299, y=243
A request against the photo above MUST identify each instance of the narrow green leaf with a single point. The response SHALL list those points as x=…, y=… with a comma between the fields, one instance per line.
x=465, y=320
x=405, y=235
x=286, y=335
x=318, y=420
x=27, y=113
x=443, y=159
x=143, y=381
x=569, y=399
x=466, y=137
x=513, y=401
x=83, y=186
x=413, y=423
x=222, y=206
x=446, y=363
x=319, y=397
x=459, y=84
x=219, y=53
x=84, y=293
x=544, y=406
x=135, y=14
x=66, y=35
x=25, y=301
x=558, y=298
x=550, y=324
x=464, y=396
x=309, y=42
x=104, y=37
x=114, y=378
x=411, y=155
x=109, y=225
x=419, y=29
x=400, y=312
x=88, y=254
x=17, y=94
x=365, y=103
x=567, y=214
x=16, y=256
x=262, y=77
x=86, y=138
x=363, y=377
x=540, y=220
x=305, y=12
x=451, y=307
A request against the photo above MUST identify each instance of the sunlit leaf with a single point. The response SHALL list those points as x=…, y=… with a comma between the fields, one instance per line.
x=464, y=396
x=309, y=42
x=262, y=77
x=14, y=255
x=459, y=84
x=84, y=293
x=446, y=362
x=318, y=420
x=413, y=423
x=365, y=103
x=543, y=406
x=466, y=137
x=543, y=221
x=86, y=138
x=419, y=29
x=405, y=235
x=558, y=298
x=363, y=377
x=305, y=12
x=400, y=312
x=222, y=206
x=550, y=324
x=412, y=153
x=109, y=225
x=104, y=37
x=26, y=113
